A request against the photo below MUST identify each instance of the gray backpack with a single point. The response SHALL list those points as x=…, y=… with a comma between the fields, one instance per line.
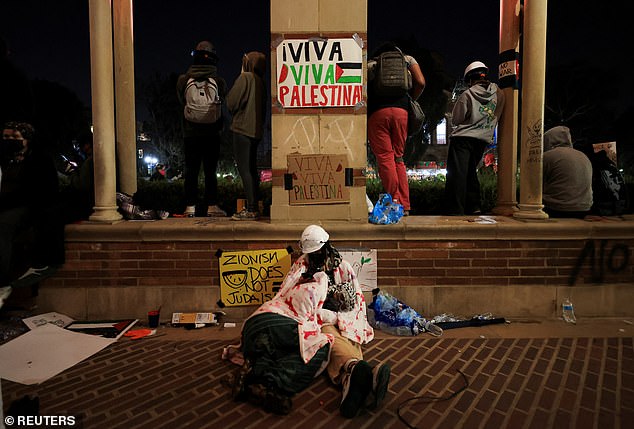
x=389, y=75
x=202, y=101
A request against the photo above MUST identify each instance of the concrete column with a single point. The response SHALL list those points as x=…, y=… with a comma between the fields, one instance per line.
x=103, y=111
x=124, y=96
x=316, y=130
x=532, y=122
x=507, y=127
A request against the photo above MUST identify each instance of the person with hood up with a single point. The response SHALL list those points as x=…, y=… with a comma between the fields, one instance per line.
x=201, y=136
x=474, y=118
x=316, y=321
x=567, y=176
x=247, y=103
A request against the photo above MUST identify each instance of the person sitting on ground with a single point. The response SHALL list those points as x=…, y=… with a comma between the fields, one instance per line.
x=567, y=172
x=28, y=201
x=316, y=321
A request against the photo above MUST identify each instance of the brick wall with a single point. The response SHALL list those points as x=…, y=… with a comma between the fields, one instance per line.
x=518, y=278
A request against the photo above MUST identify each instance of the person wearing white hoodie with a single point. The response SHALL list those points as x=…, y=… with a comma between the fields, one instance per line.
x=475, y=117
x=567, y=176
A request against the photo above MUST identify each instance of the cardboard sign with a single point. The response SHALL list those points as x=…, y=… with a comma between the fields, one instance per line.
x=251, y=277
x=318, y=179
x=364, y=263
x=319, y=73
x=608, y=147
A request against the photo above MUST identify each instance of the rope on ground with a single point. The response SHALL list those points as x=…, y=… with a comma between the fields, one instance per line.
x=429, y=399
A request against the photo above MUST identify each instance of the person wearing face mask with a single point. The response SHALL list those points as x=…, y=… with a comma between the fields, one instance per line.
x=247, y=103
x=28, y=201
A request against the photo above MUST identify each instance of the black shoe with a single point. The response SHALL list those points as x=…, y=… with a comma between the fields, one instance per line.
x=356, y=388
x=34, y=275
x=380, y=382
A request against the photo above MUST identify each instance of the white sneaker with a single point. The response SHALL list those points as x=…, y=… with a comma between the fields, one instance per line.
x=215, y=211
x=4, y=294
x=190, y=211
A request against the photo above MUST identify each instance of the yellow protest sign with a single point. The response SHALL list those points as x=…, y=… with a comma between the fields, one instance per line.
x=251, y=277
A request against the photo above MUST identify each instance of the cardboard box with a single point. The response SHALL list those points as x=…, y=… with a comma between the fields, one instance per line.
x=196, y=318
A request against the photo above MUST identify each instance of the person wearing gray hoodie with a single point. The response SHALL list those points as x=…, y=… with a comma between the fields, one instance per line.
x=247, y=103
x=474, y=118
x=567, y=176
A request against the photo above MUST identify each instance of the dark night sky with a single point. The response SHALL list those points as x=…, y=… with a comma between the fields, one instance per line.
x=49, y=39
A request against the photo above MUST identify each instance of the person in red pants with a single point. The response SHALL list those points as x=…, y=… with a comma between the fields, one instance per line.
x=387, y=127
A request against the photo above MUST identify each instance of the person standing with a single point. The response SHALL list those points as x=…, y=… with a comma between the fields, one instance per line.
x=246, y=101
x=475, y=117
x=29, y=193
x=567, y=176
x=201, y=91
x=387, y=124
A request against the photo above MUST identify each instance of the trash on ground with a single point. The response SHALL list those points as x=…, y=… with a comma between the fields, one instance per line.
x=390, y=315
x=104, y=328
x=194, y=320
x=135, y=334
x=449, y=321
x=53, y=318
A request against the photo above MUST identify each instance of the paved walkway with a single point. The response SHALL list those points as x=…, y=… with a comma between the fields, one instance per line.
x=521, y=375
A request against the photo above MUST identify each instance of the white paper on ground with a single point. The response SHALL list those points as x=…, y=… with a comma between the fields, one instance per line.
x=42, y=353
x=57, y=319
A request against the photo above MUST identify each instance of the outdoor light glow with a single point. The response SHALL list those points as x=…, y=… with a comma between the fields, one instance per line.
x=150, y=160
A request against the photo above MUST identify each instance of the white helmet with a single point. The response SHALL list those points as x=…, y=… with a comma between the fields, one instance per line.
x=476, y=65
x=313, y=239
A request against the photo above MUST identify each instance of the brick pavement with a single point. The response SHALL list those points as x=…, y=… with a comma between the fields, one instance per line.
x=176, y=382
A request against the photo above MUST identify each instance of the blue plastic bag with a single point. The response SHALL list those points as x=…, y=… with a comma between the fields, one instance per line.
x=386, y=211
x=390, y=313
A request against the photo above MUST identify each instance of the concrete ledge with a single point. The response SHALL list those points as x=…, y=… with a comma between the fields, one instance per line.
x=412, y=228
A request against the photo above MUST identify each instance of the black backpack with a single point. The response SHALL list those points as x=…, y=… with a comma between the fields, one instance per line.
x=609, y=192
x=391, y=76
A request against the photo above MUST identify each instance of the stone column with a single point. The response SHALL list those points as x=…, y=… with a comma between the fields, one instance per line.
x=532, y=122
x=102, y=89
x=124, y=96
x=507, y=127
x=317, y=130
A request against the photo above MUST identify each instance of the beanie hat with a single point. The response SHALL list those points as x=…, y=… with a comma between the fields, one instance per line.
x=205, y=47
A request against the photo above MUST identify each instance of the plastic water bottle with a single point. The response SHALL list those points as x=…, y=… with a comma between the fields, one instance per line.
x=568, y=311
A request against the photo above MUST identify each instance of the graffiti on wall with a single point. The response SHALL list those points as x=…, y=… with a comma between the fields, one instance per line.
x=614, y=258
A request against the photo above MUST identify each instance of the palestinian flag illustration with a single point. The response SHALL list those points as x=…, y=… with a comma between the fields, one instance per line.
x=349, y=73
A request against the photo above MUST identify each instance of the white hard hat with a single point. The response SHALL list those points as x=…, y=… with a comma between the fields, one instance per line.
x=313, y=238
x=475, y=66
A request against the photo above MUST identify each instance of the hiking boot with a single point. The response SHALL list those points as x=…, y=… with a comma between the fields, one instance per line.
x=272, y=400
x=246, y=215
x=190, y=211
x=380, y=381
x=356, y=387
x=238, y=382
x=215, y=211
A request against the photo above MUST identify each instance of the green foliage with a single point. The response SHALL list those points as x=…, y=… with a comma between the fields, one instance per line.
x=426, y=195
x=170, y=195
